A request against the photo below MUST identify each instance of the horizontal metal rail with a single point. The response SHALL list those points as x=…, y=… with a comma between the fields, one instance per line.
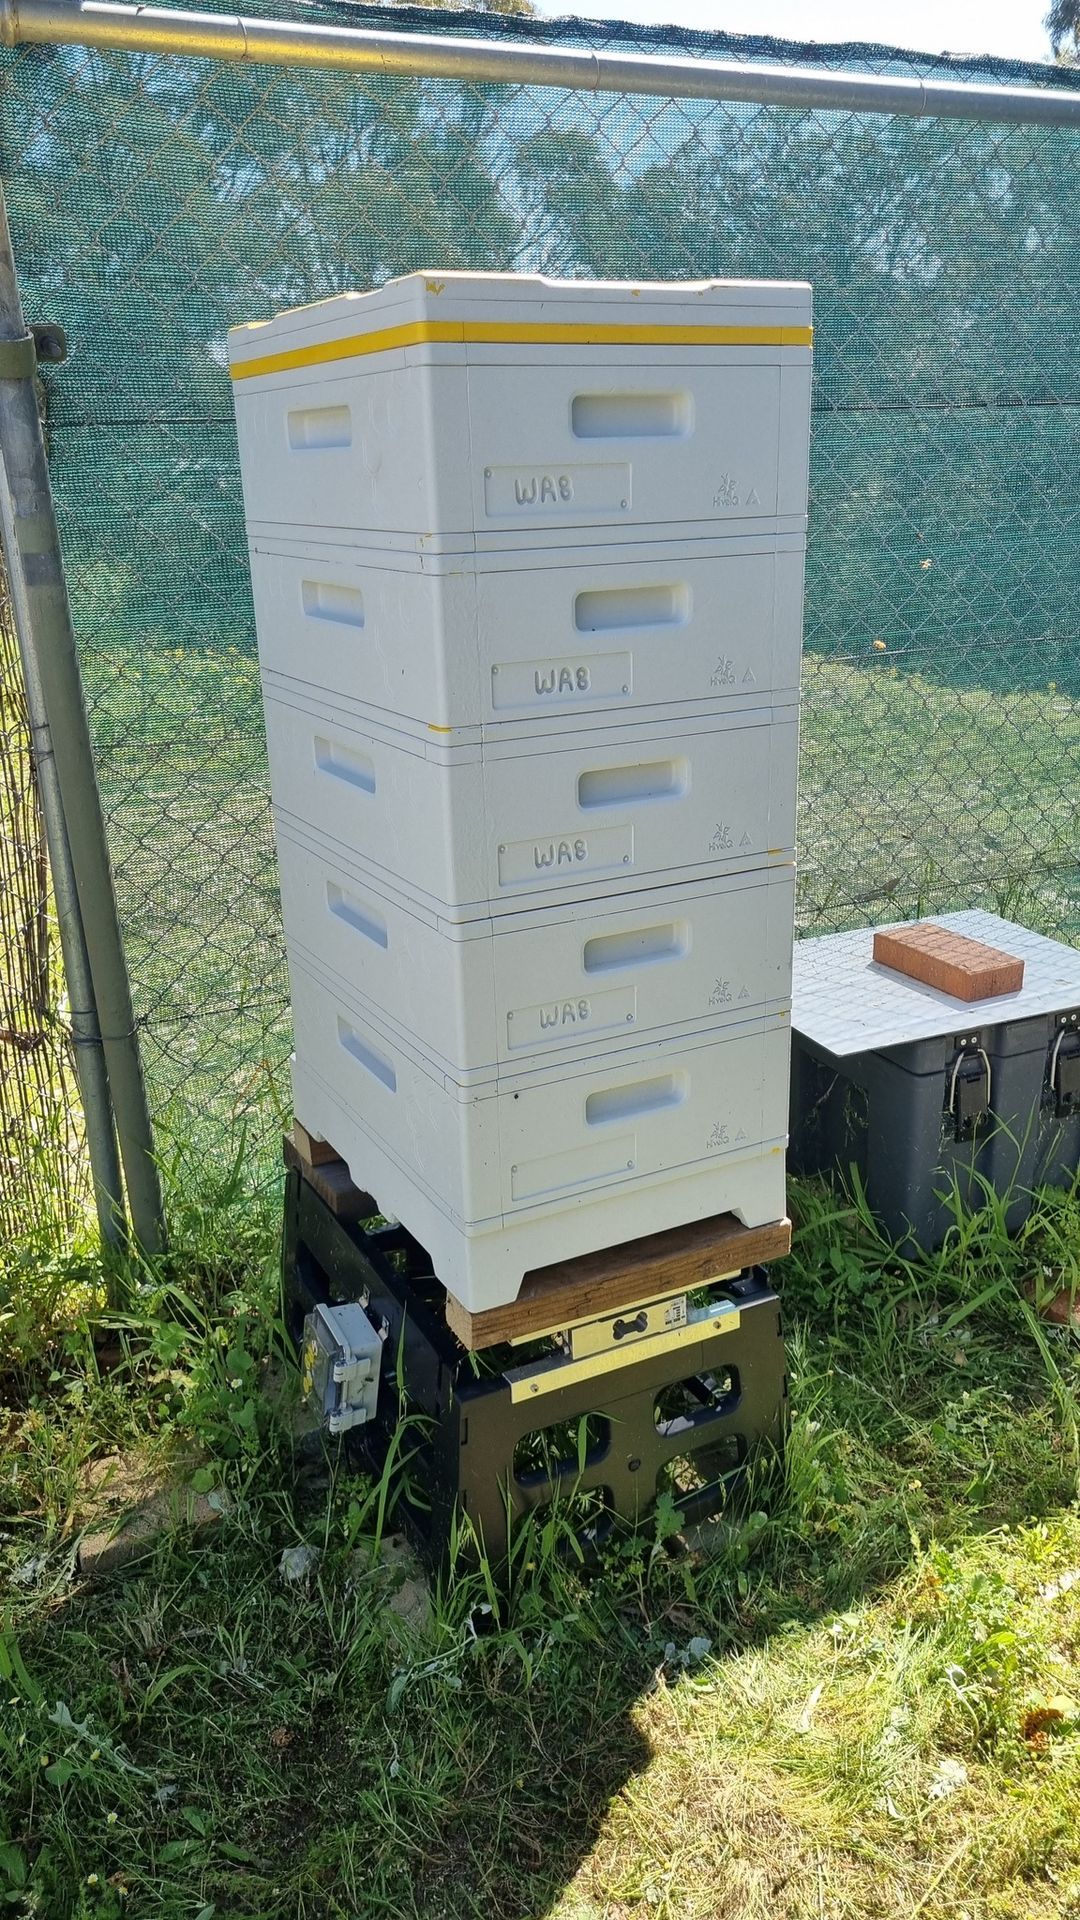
x=105, y=24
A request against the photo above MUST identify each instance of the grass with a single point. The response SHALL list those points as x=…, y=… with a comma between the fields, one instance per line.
x=858, y=1698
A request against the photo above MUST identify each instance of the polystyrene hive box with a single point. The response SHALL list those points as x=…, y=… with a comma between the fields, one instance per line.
x=508, y=821
x=465, y=410
x=512, y=636
x=506, y=1175
x=590, y=975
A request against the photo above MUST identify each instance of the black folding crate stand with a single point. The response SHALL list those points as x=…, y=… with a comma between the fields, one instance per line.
x=483, y=1445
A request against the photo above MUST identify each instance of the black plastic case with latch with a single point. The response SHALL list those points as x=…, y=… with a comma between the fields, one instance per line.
x=981, y=1107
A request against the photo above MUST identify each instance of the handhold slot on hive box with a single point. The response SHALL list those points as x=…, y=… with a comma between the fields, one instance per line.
x=356, y=769
x=614, y=786
x=607, y=607
x=322, y=600
x=642, y=947
x=367, y=1055
x=643, y=1096
x=357, y=915
x=311, y=428
x=631, y=416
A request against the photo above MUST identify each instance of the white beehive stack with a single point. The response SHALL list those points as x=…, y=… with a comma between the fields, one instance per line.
x=527, y=563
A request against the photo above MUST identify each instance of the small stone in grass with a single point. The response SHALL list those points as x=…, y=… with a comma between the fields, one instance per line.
x=949, y=1778
x=297, y=1563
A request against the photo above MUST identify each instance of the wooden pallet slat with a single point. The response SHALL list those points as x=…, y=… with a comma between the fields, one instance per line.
x=598, y=1283
x=317, y=1153
x=329, y=1176
x=580, y=1289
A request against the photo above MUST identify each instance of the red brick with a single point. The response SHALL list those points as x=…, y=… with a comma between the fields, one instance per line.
x=965, y=969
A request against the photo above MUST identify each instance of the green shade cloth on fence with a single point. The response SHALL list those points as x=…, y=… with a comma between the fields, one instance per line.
x=155, y=201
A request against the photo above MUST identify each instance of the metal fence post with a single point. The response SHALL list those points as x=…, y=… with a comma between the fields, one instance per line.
x=62, y=744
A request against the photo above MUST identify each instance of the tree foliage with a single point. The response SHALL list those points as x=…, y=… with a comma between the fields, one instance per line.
x=1063, y=25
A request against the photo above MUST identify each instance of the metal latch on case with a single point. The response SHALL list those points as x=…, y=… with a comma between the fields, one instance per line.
x=1064, y=1072
x=968, y=1084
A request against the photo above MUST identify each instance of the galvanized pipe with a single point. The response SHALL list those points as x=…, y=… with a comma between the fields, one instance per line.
x=105, y=24
x=62, y=739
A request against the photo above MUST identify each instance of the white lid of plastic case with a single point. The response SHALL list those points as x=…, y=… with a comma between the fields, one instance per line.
x=843, y=1001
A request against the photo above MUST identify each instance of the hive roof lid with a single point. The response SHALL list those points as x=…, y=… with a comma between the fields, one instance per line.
x=533, y=299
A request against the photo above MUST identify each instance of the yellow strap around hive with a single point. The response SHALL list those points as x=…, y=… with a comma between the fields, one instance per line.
x=517, y=333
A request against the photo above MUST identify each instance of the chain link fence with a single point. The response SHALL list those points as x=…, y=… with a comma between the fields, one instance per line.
x=44, y=1183
x=155, y=201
